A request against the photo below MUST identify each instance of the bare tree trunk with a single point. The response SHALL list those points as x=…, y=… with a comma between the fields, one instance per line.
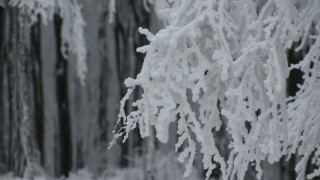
x=63, y=104
x=2, y=97
x=36, y=61
x=20, y=154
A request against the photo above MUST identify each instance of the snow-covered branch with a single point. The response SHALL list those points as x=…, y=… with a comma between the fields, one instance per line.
x=229, y=58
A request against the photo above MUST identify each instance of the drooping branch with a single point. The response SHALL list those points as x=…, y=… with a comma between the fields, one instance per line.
x=230, y=59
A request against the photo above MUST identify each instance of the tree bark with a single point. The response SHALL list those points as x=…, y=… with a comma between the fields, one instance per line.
x=63, y=103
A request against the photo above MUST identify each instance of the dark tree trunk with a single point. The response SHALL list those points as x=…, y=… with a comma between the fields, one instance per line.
x=20, y=152
x=104, y=79
x=15, y=159
x=2, y=98
x=63, y=103
x=38, y=86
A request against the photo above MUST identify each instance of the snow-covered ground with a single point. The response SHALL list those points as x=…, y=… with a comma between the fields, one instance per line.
x=166, y=167
x=119, y=174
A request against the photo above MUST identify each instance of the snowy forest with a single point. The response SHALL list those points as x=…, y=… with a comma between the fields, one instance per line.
x=159, y=89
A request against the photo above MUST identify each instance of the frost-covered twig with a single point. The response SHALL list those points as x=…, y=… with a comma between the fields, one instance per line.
x=230, y=59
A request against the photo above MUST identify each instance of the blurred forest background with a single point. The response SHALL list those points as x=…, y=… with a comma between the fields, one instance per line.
x=51, y=125
x=48, y=120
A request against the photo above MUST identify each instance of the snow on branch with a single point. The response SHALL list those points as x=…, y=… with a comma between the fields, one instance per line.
x=73, y=36
x=229, y=58
x=33, y=8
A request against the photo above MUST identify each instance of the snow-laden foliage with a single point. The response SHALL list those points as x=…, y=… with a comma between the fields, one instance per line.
x=72, y=34
x=304, y=108
x=112, y=9
x=72, y=28
x=33, y=8
x=226, y=61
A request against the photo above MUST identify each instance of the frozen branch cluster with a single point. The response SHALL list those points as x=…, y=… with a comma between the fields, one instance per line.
x=228, y=58
x=72, y=27
x=304, y=108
